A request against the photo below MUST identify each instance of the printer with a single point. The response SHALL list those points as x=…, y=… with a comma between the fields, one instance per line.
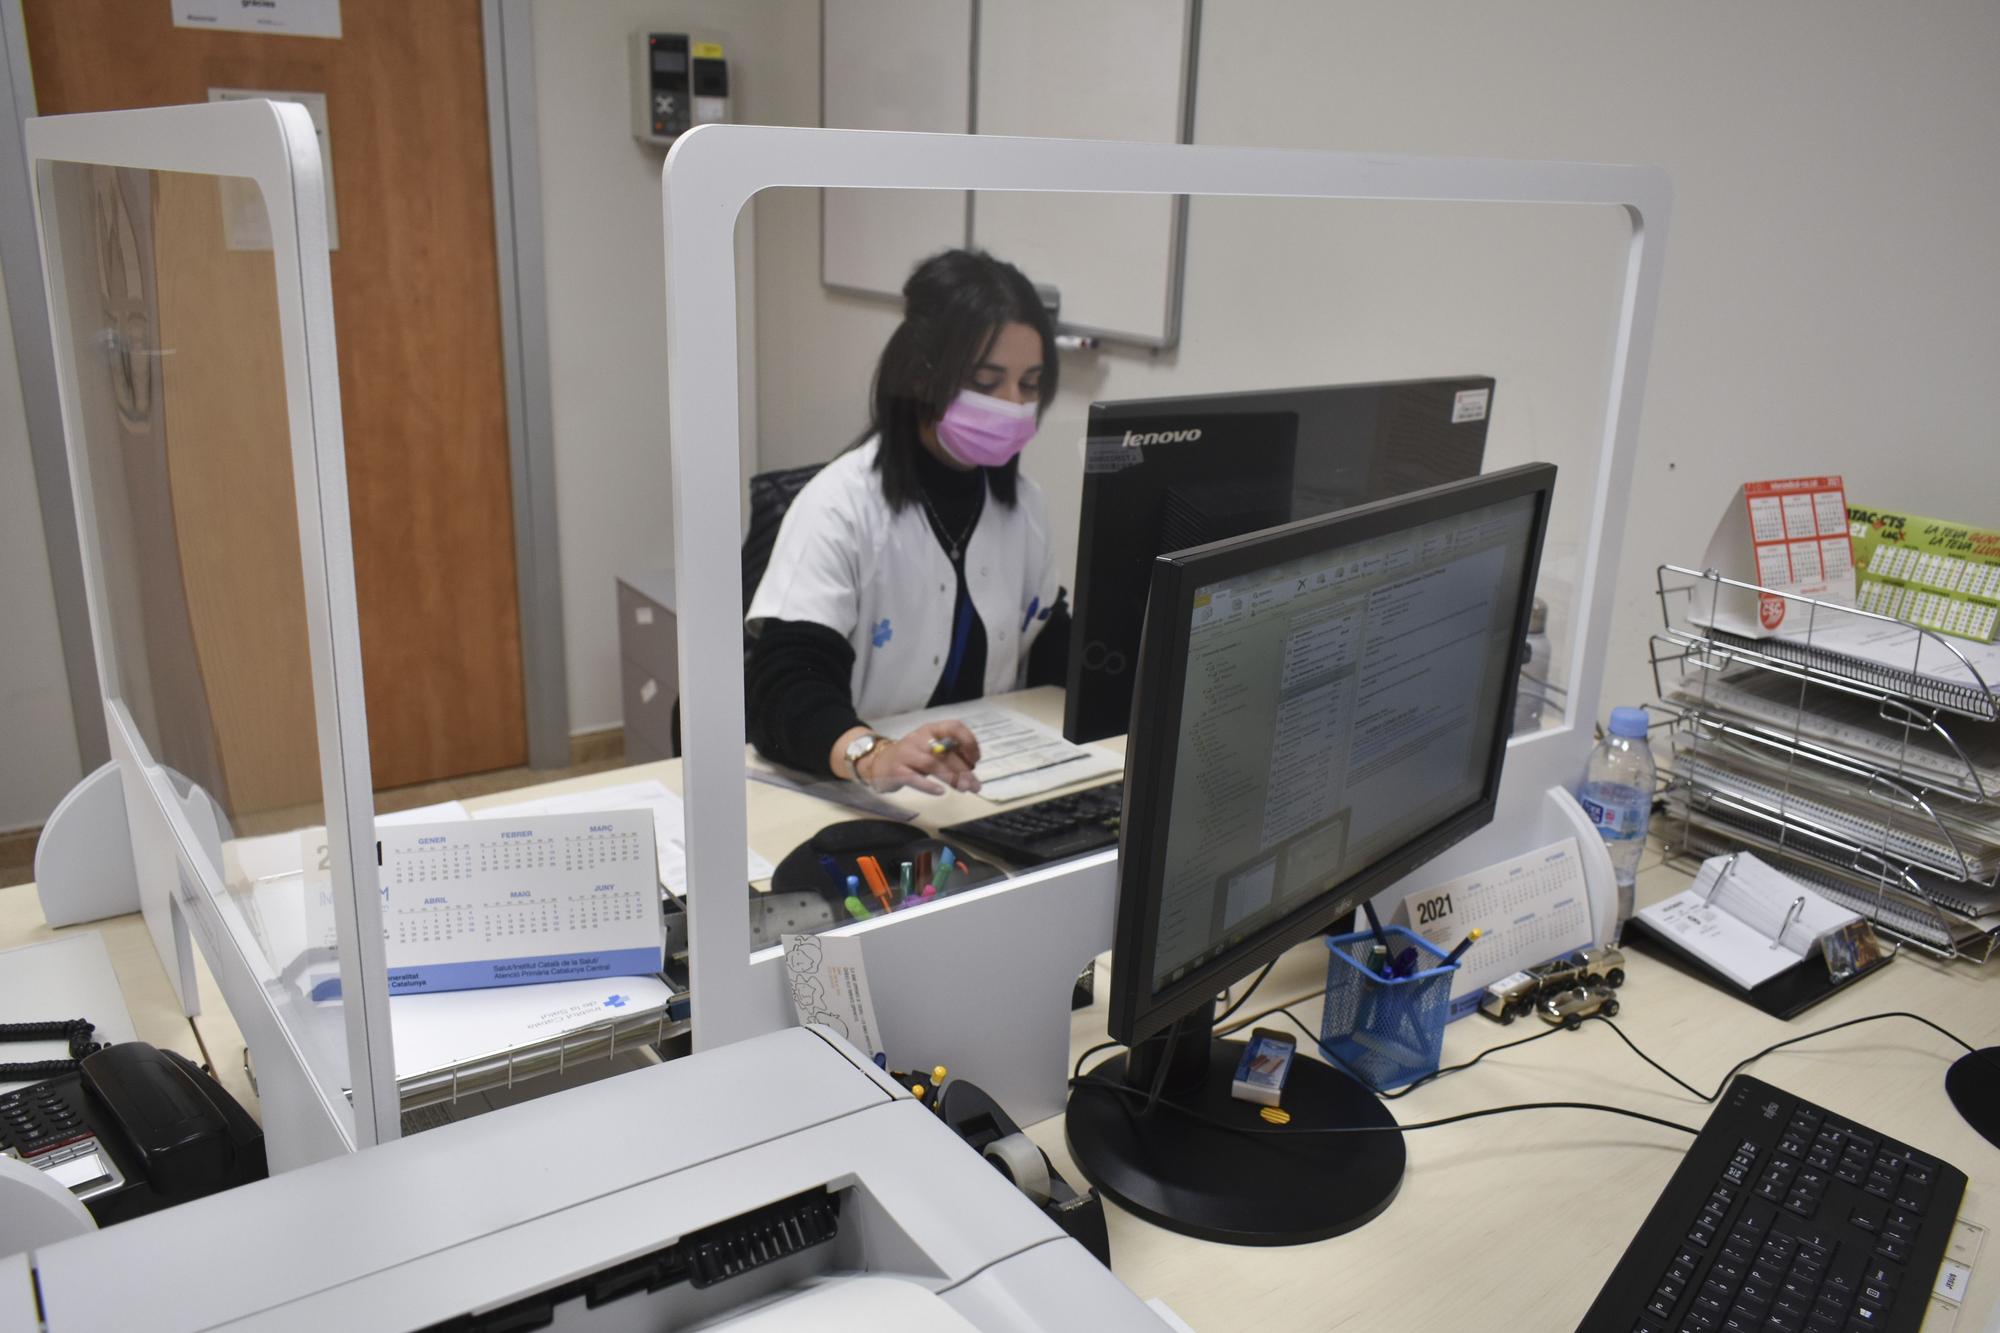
x=778, y=1183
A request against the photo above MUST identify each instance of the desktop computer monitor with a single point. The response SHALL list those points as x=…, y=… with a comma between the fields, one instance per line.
x=1164, y=474
x=1322, y=708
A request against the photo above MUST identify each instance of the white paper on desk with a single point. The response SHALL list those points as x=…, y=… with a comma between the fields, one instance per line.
x=669, y=824
x=434, y=1032
x=829, y=986
x=1018, y=756
x=1528, y=910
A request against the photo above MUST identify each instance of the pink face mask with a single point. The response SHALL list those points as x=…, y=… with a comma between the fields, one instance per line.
x=984, y=431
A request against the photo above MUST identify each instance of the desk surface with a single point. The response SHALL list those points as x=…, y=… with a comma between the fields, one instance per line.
x=1507, y=1222
x=1513, y=1222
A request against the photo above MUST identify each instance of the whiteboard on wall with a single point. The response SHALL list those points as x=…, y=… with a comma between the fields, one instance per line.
x=892, y=65
x=1109, y=69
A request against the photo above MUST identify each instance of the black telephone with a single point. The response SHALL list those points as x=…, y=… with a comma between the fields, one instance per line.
x=131, y=1130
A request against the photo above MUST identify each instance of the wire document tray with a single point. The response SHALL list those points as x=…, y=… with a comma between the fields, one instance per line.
x=1860, y=753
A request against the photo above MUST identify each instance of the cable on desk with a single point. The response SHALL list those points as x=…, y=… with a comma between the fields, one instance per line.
x=1193, y=1114
x=36, y=1071
x=1236, y=1004
x=1077, y=1072
x=1412, y=1086
x=1242, y=1023
x=1747, y=1061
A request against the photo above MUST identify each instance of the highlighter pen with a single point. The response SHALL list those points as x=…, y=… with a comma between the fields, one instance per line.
x=1463, y=945
x=903, y=888
x=856, y=910
x=877, y=885
x=831, y=867
x=945, y=859
x=943, y=745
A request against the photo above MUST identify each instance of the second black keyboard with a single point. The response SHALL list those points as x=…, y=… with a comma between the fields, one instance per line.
x=1068, y=825
x=1784, y=1216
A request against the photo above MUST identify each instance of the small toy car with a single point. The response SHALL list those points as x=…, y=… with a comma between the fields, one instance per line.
x=1514, y=995
x=1570, y=1007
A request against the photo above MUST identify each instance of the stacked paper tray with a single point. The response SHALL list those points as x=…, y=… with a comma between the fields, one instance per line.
x=1860, y=752
x=1952, y=756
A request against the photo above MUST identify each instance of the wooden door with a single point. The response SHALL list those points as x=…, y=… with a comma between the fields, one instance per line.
x=416, y=304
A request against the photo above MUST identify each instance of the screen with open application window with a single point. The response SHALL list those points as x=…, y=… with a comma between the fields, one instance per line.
x=1335, y=707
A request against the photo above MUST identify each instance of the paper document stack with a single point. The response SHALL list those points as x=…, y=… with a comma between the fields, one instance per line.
x=1018, y=756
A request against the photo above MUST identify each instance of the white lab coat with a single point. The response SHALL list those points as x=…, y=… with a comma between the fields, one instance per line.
x=843, y=560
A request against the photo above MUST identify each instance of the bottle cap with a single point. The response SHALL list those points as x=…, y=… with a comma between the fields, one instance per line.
x=1629, y=722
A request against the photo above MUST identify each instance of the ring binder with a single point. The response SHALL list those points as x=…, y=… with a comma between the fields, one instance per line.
x=1798, y=906
x=1723, y=874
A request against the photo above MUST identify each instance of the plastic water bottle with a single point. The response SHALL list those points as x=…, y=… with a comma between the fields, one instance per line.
x=1617, y=794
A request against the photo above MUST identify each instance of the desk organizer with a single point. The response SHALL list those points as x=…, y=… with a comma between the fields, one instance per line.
x=1385, y=1031
x=1874, y=778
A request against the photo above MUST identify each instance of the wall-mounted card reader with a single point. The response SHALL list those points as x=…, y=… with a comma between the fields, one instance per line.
x=678, y=83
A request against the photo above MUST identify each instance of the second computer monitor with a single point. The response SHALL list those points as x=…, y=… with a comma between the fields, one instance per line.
x=1165, y=474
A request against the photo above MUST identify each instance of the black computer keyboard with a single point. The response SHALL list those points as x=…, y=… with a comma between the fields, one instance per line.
x=1048, y=830
x=1787, y=1217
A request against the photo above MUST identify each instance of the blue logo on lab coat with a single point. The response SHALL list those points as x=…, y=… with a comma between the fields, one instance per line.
x=616, y=1002
x=880, y=634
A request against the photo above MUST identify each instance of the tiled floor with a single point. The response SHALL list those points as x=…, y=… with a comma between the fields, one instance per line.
x=594, y=753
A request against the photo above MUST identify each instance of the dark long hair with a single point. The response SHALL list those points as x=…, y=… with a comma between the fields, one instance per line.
x=954, y=306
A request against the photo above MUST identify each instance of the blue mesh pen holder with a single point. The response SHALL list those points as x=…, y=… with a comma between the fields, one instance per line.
x=1385, y=1031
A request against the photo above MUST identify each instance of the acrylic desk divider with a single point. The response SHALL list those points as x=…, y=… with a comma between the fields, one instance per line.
x=1850, y=753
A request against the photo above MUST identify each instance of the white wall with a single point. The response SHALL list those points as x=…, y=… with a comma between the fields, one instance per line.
x=1830, y=300
x=606, y=305
x=38, y=756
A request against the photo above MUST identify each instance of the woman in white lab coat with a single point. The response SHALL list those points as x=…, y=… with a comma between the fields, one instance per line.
x=914, y=570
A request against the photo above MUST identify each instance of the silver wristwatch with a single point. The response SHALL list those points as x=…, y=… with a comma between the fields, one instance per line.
x=860, y=748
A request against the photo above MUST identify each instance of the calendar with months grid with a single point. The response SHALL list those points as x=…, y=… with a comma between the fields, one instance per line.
x=1529, y=910
x=504, y=902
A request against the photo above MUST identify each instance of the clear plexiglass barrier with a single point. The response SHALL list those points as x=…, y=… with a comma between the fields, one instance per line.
x=1333, y=352
x=220, y=587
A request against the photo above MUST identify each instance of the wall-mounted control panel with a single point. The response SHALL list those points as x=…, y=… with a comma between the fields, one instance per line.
x=678, y=82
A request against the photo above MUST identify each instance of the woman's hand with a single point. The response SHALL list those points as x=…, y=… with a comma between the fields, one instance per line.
x=935, y=758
